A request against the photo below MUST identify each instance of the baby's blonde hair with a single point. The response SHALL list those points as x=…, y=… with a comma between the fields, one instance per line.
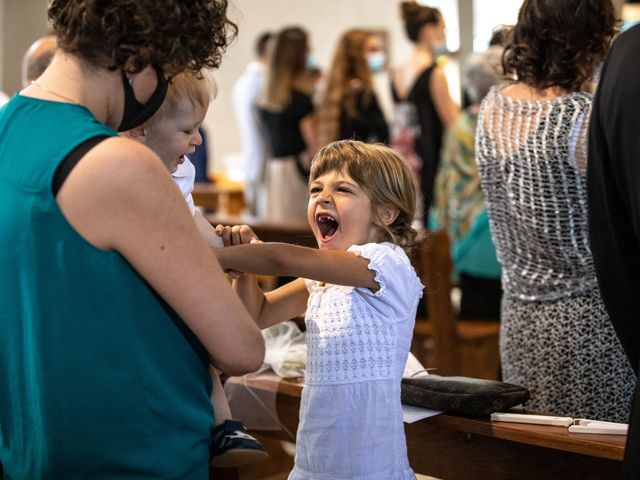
x=382, y=174
x=198, y=88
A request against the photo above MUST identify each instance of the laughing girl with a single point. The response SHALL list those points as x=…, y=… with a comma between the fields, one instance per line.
x=360, y=294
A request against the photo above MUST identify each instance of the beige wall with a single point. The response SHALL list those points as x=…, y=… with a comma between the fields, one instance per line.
x=21, y=23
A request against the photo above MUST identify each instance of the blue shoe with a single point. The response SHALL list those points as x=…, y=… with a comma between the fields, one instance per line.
x=233, y=446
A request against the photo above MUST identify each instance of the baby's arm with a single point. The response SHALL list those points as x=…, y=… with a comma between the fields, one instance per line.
x=279, y=305
x=207, y=231
x=337, y=267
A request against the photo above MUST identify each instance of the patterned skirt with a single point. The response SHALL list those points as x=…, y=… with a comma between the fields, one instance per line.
x=567, y=354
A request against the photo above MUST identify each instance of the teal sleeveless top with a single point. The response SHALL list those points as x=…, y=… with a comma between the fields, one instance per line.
x=99, y=378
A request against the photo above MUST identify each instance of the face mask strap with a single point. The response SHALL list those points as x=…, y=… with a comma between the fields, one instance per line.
x=136, y=113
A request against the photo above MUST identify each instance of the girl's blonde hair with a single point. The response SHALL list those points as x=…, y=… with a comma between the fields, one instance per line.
x=349, y=63
x=382, y=174
x=198, y=88
x=286, y=68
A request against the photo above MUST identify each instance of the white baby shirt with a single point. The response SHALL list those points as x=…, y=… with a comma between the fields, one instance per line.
x=185, y=177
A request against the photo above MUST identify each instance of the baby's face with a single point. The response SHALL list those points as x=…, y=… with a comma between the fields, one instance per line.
x=175, y=136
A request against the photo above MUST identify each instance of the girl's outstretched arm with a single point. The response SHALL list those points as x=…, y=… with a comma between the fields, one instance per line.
x=337, y=267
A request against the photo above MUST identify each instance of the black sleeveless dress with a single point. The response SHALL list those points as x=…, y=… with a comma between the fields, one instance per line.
x=429, y=139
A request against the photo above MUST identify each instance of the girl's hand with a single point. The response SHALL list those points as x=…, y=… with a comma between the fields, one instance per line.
x=236, y=234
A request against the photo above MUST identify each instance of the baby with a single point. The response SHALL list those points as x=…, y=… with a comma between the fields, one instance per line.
x=172, y=133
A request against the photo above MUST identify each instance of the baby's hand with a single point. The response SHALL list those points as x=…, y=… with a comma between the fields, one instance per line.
x=236, y=235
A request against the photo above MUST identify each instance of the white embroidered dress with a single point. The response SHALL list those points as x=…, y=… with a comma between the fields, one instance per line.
x=358, y=341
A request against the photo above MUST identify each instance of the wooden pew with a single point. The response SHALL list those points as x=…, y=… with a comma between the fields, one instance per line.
x=452, y=346
x=223, y=197
x=461, y=448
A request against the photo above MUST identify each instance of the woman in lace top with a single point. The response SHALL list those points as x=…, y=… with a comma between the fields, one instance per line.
x=556, y=337
x=360, y=294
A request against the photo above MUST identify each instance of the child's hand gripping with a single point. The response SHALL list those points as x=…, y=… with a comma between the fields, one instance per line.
x=236, y=235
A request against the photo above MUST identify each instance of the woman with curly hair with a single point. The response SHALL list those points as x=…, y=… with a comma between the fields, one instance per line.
x=349, y=108
x=113, y=306
x=556, y=337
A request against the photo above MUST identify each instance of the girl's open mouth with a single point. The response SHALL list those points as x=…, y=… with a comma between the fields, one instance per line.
x=327, y=225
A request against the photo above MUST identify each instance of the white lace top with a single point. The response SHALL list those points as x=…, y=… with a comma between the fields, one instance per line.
x=532, y=162
x=358, y=341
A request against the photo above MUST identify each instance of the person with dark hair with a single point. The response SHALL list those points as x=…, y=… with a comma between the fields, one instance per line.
x=614, y=197
x=556, y=337
x=246, y=93
x=349, y=108
x=421, y=85
x=112, y=305
x=287, y=113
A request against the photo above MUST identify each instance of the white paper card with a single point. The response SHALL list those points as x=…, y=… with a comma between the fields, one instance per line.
x=412, y=414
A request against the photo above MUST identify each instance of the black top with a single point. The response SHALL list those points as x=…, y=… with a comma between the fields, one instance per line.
x=429, y=141
x=368, y=123
x=283, y=128
x=71, y=160
x=613, y=180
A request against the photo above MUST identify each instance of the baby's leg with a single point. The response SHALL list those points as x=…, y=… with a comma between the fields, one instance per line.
x=232, y=444
x=218, y=398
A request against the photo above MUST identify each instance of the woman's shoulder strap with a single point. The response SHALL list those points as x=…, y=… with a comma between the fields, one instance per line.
x=71, y=160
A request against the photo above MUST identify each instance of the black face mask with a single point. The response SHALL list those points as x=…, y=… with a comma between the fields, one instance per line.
x=136, y=113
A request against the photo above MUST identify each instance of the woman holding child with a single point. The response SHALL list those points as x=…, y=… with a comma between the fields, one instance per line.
x=113, y=305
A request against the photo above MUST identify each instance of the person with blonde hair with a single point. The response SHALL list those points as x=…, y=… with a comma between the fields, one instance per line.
x=113, y=305
x=556, y=338
x=349, y=108
x=287, y=113
x=173, y=133
x=360, y=294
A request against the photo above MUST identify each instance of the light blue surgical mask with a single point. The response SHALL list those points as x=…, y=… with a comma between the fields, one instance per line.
x=310, y=62
x=376, y=61
x=440, y=50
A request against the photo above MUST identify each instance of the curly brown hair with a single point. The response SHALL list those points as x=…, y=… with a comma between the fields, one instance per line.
x=382, y=174
x=559, y=43
x=172, y=34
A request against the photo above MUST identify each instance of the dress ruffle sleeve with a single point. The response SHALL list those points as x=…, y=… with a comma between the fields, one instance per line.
x=400, y=289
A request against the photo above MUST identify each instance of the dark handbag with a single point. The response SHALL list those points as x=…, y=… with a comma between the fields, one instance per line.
x=463, y=395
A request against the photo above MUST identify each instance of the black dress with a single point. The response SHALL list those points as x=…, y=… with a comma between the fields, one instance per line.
x=429, y=139
x=614, y=207
x=367, y=123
